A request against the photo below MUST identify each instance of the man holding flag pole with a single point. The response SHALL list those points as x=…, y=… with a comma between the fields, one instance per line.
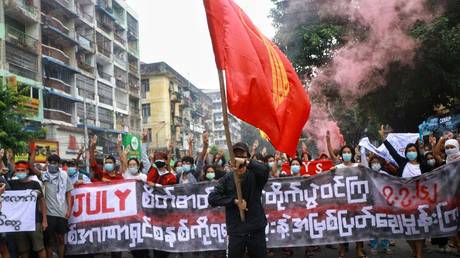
x=261, y=88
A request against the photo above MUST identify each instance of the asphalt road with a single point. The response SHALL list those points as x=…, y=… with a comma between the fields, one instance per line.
x=400, y=250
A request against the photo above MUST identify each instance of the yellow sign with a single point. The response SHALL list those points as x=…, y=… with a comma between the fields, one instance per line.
x=43, y=149
x=21, y=157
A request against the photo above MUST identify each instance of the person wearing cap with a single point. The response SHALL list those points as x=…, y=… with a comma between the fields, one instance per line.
x=57, y=187
x=24, y=240
x=248, y=235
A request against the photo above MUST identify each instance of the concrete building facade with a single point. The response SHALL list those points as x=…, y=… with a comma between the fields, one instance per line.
x=217, y=118
x=173, y=109
x=70, y=53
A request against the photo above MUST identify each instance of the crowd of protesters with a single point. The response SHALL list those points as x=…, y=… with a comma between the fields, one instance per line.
x=54, y=181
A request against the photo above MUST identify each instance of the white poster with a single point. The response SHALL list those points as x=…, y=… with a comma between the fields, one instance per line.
x=18, y=211
x=399, y=141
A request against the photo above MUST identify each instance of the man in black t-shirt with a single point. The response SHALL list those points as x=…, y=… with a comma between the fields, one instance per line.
x=21, y=181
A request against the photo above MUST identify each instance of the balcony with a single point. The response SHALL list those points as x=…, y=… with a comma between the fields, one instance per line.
x=56, y=30
x=58, y=85
x=119, y=38
x=85, y=16
x=134, y=89
x=55, y=23
x=55, y=53
x=104, y=6
x=21, y=39
x=132, y=49
x=120, y=83
x=133, y=69
x=58, y=115
x=104, y=22
x=68, y=5
x=120, y=61
x=23, y=10
x=86, y=66
x=122, y=105
x=104, y=75
x=104, y=51
x=86, y=43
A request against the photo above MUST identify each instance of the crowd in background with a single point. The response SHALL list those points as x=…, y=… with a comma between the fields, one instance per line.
x=55, y=179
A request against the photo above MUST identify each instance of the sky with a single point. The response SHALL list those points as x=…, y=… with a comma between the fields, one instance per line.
x=176, y=32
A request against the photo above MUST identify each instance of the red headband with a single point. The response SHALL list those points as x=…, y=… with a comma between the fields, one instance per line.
x=22, y=165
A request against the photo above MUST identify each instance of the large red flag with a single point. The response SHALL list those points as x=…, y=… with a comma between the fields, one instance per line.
x=263, y=88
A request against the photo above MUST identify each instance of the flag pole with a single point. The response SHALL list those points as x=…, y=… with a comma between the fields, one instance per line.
x=236, y=178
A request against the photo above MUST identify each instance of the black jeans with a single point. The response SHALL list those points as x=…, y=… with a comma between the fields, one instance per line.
x=254, y=243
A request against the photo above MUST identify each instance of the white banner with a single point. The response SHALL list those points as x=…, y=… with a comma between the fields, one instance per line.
x=18, y=211
x=107, y=202
x=399, y=141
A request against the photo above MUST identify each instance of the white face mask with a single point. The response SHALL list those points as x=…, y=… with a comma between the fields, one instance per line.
x=452, y=151
x=133, y=170
x=376, y=167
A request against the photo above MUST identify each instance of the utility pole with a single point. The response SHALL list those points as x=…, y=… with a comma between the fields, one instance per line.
x=86, y=140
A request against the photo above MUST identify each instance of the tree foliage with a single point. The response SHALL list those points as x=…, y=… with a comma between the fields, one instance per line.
x=12, y=119
x=410, y=92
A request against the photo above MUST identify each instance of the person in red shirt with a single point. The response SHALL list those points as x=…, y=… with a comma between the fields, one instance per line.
x=108, y=172
x=160, y=174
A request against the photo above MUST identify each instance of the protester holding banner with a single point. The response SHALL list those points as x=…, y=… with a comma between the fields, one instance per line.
x=250, y=234
x=347, y=155
x=409, y=166
x=23, y=239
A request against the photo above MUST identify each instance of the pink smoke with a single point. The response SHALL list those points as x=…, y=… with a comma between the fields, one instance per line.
x=360, y=67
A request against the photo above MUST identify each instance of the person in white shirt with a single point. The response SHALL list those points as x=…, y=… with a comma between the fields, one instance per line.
x=134, y=171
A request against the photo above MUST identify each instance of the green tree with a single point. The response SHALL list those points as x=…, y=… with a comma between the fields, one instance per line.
x=12, y=118
x=410, y=92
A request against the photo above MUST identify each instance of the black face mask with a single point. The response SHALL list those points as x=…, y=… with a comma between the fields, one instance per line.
x=160, y=163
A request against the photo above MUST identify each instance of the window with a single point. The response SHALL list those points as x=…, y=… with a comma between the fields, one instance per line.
x=145, y=110
x=145, y=85
x=149, y=135
x=35, y=93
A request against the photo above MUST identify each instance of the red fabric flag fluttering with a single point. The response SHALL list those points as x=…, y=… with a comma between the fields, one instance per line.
x=263, y=88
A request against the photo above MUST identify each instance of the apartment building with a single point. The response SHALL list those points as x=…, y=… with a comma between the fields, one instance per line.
x=76, y=53
x=218, y=122
x=173, y=109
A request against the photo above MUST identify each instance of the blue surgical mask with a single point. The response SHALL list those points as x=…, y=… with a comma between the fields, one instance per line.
x=71, y=171
x=346, y=157
x=179, y=169
x=109, y=167
x=271, y=164
x=411, y=155
x=295, y=169
x=21, y=176
x=431, y=162
x=186, y=168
